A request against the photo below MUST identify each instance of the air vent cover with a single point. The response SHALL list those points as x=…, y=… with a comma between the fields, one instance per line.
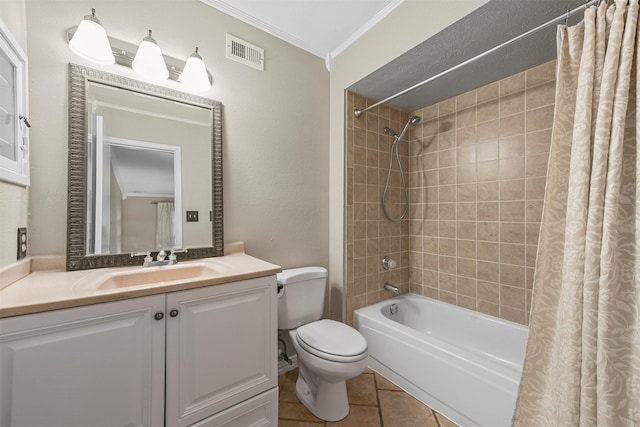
x=245, y=53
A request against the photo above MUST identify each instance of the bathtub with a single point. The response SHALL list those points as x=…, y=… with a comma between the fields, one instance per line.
x=463, y=364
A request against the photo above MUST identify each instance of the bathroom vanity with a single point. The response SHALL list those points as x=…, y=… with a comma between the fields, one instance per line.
x=188, y=352
x=108, y=342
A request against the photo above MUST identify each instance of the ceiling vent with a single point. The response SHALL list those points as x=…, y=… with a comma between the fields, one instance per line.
x=245, y=53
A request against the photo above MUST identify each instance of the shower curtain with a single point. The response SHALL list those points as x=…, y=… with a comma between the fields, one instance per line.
x=165, y=214
x=582, y=366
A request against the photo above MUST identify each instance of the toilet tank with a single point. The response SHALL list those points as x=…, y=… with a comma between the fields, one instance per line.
x=301, y=299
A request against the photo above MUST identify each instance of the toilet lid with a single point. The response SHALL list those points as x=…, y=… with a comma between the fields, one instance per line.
x=332, y=338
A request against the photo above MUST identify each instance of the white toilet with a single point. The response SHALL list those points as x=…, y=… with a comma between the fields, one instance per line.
x=329, y=352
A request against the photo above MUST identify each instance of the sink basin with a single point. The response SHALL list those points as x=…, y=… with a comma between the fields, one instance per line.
x=155, y=275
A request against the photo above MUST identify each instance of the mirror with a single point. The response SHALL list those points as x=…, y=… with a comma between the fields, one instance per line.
x=145, y=171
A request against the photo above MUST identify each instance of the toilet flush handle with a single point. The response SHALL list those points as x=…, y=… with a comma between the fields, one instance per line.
x=280, y=287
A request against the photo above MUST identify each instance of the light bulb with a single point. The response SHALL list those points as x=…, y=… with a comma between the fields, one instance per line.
x=195, y=76
x=90, y=41
x=149, y=61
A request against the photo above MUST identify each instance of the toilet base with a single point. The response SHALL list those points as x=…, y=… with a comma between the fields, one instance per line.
x=326, y=400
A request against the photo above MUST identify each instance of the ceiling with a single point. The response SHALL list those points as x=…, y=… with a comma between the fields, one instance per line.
x=327, y=27
x=143, y=173
x=323, y=27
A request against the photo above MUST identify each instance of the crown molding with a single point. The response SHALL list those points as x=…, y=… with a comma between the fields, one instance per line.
x=366, y=27
x=225, y=7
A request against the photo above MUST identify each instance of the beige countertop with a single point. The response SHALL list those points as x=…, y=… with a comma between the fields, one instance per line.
x=53, y=289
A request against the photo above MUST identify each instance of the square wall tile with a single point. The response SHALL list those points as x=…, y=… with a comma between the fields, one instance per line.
x=476, y=167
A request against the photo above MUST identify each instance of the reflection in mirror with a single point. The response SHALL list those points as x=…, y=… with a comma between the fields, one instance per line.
x=134, y=195
x=151, y=154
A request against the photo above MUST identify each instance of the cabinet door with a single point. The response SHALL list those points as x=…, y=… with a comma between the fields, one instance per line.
x=14, y=94
x=221, y=348
x=98, y=365
x=261, y=410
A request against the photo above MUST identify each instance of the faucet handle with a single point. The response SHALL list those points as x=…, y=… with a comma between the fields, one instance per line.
x=175, y=251
x=147, y=256
x=388, y=263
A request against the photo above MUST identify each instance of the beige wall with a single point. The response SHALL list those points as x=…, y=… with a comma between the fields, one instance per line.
x=275, y=123
x=14, y=199
x=408, y=25
x=14, y=16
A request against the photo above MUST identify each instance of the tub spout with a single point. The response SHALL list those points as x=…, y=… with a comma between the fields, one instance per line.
x=389, y=287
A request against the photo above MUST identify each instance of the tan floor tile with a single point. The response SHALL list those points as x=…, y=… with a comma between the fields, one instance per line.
x=290, y=376
x=444, y=421
x=360, y=416
x=401, y=410
x=287, y=386
x=384, y=384
x=290, y=423
x=368, y=371
x=362, y=390
x=295, y=411
x=287, y=392
x=398, y=409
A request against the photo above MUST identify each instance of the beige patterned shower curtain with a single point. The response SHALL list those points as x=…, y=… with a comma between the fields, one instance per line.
x=582, y=366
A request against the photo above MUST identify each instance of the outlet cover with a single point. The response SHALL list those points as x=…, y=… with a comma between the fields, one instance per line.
x=192, y=216
x=22, y=243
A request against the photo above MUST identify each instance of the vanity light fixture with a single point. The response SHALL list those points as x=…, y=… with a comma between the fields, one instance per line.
x=90, y=41
x=149, y=61
x=146, y=59
x=195, y=76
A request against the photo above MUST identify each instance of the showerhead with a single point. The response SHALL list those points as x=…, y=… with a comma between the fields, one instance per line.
x=390, y=132
x=413, y=120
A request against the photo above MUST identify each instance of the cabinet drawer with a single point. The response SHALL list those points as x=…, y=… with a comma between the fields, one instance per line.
x=261, y=410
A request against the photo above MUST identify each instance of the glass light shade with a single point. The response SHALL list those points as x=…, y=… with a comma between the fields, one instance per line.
x=195, y=76
x=149, y=61
x=90, y=41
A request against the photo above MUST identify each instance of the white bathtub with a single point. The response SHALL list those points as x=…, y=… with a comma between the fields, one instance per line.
x=463, y=364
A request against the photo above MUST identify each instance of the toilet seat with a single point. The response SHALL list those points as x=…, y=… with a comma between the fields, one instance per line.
x=332, y=341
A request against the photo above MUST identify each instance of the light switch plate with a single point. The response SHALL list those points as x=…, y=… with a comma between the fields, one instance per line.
x=22, y=243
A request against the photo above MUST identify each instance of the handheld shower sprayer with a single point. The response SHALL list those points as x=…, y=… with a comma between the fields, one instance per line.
x=390, y=132
x=413, y=120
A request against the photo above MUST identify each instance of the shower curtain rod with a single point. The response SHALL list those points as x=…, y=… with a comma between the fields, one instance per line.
x=560, y=18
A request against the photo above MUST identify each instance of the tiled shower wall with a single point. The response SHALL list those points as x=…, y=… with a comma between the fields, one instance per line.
x=369, y=235
x=476, y=170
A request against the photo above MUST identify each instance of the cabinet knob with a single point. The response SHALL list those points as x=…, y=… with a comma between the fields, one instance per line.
x=173, y=313
x=158, y=316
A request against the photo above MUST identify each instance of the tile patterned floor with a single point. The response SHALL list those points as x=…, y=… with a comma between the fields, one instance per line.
x=374, y=400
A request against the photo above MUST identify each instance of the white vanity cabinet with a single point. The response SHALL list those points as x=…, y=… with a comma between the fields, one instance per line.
x=97, y=365
x=221, y=351
x=204, y=357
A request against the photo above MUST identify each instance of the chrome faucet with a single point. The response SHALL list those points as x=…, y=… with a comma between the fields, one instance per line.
x=160, y=258
x=389, y=287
